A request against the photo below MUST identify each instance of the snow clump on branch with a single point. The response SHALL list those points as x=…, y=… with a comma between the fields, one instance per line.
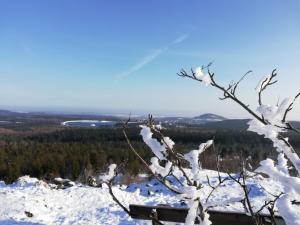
x=110, y=175
x=157, y=148
x=157, y=169
x=193, y=158
x=263, y=83
x=199, y=75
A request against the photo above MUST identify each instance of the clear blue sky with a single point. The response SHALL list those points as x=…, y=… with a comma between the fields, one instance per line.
x=122, y=56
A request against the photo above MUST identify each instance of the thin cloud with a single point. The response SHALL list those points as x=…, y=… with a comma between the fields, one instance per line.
x=150, y=57
x=179, y=39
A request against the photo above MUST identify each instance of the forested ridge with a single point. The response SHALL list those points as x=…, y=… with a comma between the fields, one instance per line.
x=78, y=152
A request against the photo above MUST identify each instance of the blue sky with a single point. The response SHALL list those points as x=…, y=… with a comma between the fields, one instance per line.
x=123, y=56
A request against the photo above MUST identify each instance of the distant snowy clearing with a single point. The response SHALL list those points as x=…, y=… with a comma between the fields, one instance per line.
x=82, y=204
x=89, y=123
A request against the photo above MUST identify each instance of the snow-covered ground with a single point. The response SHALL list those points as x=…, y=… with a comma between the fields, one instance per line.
x=88, y=205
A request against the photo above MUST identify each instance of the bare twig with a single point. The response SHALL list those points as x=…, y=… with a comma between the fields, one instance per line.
x=214, y=188
x=116, y=200
x=267, y=82
x=290, y=107
x=109, y=184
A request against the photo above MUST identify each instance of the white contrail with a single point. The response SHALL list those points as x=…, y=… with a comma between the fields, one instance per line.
x=150, y=57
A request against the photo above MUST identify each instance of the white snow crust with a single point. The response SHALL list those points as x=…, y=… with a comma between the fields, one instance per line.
x=82, y=204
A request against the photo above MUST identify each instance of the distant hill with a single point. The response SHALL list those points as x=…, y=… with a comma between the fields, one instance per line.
x=207, y=120
x=198, y=120
x=7, y=113
x=208, y=117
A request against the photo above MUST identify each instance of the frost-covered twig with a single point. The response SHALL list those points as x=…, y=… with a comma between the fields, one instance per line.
x=290, y=107
x=166, y=184
x=264, y=83
x=167, y=144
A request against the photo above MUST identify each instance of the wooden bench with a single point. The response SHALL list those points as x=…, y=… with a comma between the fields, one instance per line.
x=171, y=214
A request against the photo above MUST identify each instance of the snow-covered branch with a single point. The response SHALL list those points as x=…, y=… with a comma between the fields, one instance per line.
x=269, y=121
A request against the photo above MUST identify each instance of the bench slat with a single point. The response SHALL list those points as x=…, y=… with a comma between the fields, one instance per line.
x=171, y=214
